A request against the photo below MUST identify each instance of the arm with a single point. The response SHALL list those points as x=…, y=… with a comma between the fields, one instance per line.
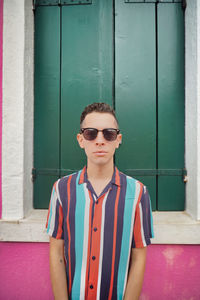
x=136, y=273
x=57, y=269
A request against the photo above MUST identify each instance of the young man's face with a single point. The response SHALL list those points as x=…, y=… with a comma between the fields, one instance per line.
x=99, y=151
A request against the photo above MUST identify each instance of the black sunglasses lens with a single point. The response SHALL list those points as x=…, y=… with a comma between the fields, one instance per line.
x=110, y=134
x=90, y=134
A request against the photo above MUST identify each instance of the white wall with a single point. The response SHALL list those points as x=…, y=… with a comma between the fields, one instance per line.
x=17, y=139
x=192, y=107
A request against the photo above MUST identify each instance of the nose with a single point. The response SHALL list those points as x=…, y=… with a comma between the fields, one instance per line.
x=100, y=138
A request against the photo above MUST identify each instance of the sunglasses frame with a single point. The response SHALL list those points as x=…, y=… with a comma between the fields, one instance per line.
x=97, y=130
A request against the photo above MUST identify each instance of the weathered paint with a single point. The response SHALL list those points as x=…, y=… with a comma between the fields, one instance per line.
x=172, y=272
x=1, y=74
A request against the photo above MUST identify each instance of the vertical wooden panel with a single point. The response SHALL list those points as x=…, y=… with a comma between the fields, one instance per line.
x=136, y=88
x=170, y=104
x=86, y=70
x=46, y=117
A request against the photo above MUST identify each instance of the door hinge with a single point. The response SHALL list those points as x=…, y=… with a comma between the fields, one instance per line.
x=33, y=177
x=184, y=4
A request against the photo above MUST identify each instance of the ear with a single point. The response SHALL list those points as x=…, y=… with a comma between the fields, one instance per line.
x=119, y=140
x=79, y=138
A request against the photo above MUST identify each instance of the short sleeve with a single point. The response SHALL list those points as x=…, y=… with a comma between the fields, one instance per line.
x=143, y=223
x=54, y=223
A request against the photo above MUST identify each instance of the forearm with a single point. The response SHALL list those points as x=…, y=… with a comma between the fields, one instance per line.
x=135, y=279
x=58, y=275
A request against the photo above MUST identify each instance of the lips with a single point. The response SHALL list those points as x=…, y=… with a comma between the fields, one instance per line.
x=100, y=153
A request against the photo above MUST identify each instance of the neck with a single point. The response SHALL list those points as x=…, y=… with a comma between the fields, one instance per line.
x=100, y=172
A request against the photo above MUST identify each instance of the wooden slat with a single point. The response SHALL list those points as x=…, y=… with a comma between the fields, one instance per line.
x=47, y=78
x=170, y=104
x=86, y=70
x=136, y=88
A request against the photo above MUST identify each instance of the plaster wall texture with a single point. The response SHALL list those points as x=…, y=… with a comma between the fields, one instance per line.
x=172, y=272
x=28, y=106
x=17, y=139
x=192, y=104
x=198, y=108
x=1, y=79
x=13, y=95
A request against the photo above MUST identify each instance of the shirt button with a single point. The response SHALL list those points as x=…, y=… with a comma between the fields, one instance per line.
x=91, y=286
x=95, y=229
x=93, y=257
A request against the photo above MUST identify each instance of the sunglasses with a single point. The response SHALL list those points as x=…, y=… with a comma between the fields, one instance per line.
x=90, y=134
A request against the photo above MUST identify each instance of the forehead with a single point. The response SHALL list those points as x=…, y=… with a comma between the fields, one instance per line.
x=99, y=120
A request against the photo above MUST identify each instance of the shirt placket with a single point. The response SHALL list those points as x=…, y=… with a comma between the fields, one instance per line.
x=95, y=247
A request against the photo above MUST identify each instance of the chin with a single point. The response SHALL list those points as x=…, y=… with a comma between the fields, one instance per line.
x=101, y=162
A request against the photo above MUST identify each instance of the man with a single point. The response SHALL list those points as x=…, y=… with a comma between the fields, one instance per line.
x=99, y=220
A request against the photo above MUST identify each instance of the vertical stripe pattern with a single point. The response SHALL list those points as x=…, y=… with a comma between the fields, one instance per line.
x=69, y=234
x=130, y=203
x=101, y=247
x=99, y=232
x=87, y=227
x=79, y=238
x=114, y=244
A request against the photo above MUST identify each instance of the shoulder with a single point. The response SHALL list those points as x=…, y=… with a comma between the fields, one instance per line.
x=60, y=184
x=134, y=187
x=132, y=182
x=66, y=177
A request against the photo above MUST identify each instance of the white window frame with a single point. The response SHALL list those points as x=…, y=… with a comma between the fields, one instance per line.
x=20, y=222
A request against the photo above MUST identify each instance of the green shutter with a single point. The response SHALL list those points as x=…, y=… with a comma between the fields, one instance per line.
x=136, y=89
x=130, y=55
x=171, y=189
x=46, y=90
x=86, y=71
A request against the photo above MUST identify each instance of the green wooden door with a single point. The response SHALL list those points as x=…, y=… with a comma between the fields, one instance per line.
x=128, y=54
x=170, y=106
x=47, y=102
x=149, y=97
x=86, y=71
x=136, y=89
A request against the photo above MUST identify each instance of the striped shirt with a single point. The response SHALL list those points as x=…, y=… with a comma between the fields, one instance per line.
x=99, y=231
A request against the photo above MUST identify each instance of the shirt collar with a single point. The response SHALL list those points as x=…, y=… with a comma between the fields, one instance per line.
x=115, y=178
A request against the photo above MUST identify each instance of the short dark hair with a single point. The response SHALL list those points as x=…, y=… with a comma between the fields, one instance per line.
x=99, y=107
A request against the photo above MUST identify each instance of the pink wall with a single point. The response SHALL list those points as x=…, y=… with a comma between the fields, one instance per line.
x=172, y=272
x=1, y=59
x=24, y=271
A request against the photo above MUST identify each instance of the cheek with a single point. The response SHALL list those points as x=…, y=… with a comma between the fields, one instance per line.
x=113, y=148
x=87, y=147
